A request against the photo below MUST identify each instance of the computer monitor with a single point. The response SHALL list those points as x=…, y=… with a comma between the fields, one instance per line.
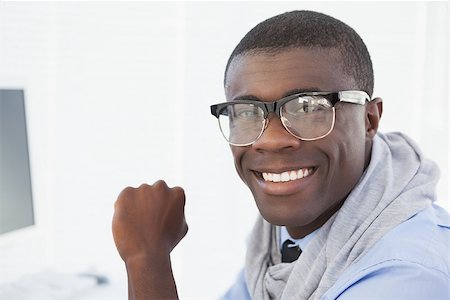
x=22, y=249
x=16, y=200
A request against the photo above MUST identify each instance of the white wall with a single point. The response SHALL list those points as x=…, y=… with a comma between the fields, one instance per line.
x=105, y=81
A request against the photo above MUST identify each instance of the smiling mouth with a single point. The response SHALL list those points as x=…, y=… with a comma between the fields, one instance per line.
x=287, y=175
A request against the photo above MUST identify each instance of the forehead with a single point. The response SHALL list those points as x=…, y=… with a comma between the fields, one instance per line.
x=271, y=76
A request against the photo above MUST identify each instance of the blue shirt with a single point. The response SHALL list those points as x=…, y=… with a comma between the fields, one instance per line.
x=284, y=235
x=409, y=262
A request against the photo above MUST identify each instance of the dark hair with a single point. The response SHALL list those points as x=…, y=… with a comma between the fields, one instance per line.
x=310, y=29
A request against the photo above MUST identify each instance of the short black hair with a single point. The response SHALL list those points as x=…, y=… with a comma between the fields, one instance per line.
x=299, y=29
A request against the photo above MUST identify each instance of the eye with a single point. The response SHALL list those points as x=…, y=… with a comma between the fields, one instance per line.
x=307, y=105
x=247, y=111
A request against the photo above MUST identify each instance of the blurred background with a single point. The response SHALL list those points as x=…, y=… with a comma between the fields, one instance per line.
x=118, y=94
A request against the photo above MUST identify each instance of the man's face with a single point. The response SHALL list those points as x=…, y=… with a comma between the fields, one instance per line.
x=334, y=163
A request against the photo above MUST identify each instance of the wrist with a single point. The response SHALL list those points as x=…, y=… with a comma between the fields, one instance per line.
x=150, y=277
x=148, y=260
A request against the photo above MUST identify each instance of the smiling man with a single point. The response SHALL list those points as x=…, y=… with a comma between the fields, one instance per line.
x=327, y=147
x=346, y=212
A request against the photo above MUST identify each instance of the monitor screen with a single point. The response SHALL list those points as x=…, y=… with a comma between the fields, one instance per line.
x=16, y=202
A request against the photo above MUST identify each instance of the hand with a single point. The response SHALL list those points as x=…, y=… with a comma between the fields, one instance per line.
x=149, y=221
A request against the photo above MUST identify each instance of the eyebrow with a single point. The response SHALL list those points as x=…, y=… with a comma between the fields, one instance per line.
x=289, y=93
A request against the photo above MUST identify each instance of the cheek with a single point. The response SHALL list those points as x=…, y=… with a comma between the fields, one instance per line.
x=346, y=150
x=350, y=130
x=238, y=153
x=351, y=152
x=352, y=147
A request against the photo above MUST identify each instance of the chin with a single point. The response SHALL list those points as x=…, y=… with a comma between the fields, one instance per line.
x=283, y=216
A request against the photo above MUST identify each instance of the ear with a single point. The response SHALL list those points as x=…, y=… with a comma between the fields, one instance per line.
x=374, y=110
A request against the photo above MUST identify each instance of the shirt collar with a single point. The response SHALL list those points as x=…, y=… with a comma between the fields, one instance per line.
x=302, y=243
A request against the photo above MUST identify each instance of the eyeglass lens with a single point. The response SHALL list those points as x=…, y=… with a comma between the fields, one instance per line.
x=306, y=117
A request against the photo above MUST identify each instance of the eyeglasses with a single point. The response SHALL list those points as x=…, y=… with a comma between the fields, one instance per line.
x=307, y=116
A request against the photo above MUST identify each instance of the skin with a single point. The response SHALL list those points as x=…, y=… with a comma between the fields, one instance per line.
x=338, y=160
x=149, y=221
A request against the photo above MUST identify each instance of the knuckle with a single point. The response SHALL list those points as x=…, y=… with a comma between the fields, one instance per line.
x=143, y=186
x=128, y=190
x=124, y=193
x=160, y=184
x=179, y=192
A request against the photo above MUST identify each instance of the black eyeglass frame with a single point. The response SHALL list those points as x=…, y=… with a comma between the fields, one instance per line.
x=350, y=96
x=275, y=106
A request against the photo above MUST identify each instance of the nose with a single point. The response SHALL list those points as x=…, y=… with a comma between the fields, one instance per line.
x=275, y=137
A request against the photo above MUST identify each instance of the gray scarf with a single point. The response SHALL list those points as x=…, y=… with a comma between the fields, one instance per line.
x=398, y=183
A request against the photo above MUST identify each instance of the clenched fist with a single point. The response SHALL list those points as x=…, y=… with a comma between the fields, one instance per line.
x=149, y=221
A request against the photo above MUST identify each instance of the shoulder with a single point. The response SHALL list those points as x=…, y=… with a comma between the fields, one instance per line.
x=423, y=239
x=411, y=259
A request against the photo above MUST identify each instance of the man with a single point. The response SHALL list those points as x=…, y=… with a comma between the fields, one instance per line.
x=346, y=211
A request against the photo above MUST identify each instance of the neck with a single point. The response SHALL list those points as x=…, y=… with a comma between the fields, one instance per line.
x=298, y=232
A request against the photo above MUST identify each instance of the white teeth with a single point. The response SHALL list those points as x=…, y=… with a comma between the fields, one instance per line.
x=305, y=173
x=287, y=176
x=293, y=175
x=276, y=177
